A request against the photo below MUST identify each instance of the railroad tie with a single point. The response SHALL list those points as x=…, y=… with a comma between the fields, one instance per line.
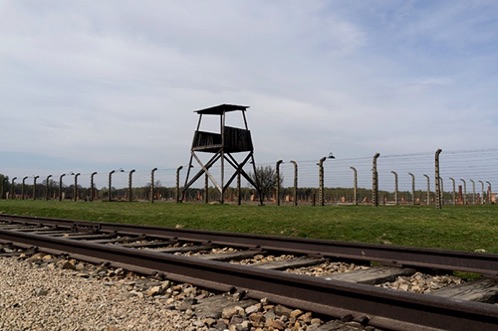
x=230, y=256
x=482, y=290
x=298, y=262
x=371, y=276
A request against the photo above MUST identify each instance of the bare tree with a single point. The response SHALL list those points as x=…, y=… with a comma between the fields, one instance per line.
x=266, y=179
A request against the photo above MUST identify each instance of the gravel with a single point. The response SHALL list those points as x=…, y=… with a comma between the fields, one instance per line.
x=47, y=298
x=422, y=283
x=43, y=292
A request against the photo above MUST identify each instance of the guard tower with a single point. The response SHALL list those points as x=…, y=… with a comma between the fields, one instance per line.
x=222, y=145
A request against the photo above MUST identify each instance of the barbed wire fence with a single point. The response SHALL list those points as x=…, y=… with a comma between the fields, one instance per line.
x=465, y=177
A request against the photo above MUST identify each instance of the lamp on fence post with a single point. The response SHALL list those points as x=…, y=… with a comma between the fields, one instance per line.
x=454, y=192
x=92, y=186
x=428, y=190
x=489, y=192
x=436, y=179
x=178, y=183
x=482, y=191
x=130, y=185
x=320, y=178
x=355, y=185
x=279, y=162
x=413, y=187
x=295, y=181
x=375, y=181
x=47, y=188
x=23, y=186
x=13, y=188
x=395, y=187
x=76, y=193
x=464, y=191
x=473, y=191
x=152, y=185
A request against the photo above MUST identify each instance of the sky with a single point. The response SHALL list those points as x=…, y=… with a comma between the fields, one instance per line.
x=88, y=85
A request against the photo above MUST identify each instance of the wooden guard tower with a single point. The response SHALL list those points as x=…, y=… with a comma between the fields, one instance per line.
x=229, y=140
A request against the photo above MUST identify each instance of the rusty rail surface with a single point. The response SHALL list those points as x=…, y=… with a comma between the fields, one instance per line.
x=483, y=263
x=382, y=308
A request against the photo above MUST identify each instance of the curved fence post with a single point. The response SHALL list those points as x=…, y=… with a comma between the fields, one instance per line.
x=395, y=187
x=464, y=191
x=34, y=186
x=47, y=188
x=130, y=185
x=152, y=185
x=473, y=191
x=295, y=181
x=436, y=179
x=428, y=189
x=13, y=188
x=413, y=187
x=355, y=185
x=375, y=181
x=92, y=186
x=76, y=187
x=454, y=191
x=489, y=192
x=277, y=166
x=178, y=183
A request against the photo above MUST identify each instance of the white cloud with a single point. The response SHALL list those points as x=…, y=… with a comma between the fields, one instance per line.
x=118, y=81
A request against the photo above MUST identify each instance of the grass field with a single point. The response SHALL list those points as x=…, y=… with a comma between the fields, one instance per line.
x=465, y=228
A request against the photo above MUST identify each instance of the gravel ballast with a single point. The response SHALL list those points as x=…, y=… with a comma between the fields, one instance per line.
x=41, y=298
x=39, y=291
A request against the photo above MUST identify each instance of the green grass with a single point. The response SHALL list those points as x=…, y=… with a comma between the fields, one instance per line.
x=454, y=227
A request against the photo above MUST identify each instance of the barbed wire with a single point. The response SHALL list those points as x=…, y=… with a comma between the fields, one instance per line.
x=477, y=165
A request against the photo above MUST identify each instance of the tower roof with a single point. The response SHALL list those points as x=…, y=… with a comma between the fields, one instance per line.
x=220, y=109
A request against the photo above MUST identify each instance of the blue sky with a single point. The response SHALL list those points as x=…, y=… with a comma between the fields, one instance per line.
x=113, y=84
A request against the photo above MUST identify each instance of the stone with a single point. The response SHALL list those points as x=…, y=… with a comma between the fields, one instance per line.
x=66, y=265
x=190, y=301
x=198, y=323
x=244, y=326
x=270, y=314
x=229, y=312
x=40, y=292
x=306, y=317
x=220, y=325
x=209, y=321
x=281, y=310
x=275, y=324
x=37, y=256
x=153, y=291
x=236, y=319
x=256, y=317
x=47, y=257
x=253, y=308
x=296, y=313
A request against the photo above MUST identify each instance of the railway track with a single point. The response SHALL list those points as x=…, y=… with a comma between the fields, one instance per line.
x=278, y=269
